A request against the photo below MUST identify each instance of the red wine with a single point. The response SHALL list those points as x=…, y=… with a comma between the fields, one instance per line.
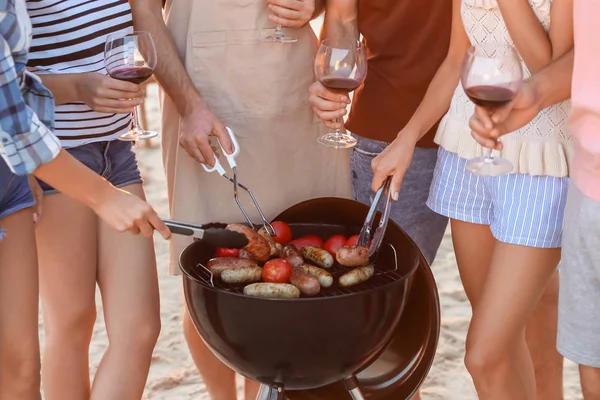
x=135, y=75
x=340, y=84
x=490, y=96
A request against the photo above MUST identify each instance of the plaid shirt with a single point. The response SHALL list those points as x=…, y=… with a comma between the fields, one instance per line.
x=26, y=106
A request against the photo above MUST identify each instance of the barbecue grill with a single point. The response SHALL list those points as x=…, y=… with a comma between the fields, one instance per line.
x=345, y=340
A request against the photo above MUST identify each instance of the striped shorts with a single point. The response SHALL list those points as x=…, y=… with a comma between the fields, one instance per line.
x=520, y=209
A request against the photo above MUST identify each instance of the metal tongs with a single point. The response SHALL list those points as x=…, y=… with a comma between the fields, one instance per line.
x=366, y=232
x=233, y=165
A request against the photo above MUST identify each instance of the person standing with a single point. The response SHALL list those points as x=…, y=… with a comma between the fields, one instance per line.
x=407, y=41
x=256, y=88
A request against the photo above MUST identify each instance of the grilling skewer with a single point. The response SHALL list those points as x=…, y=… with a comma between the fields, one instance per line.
x=366, y=233
x=236, y=184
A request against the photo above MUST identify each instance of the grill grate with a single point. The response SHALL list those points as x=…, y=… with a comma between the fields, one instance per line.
x=384, y=275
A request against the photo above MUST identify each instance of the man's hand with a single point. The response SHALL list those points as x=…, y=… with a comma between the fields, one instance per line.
x=196, y=129
x=486, y=128
x=291, y=13
x=393, y=161
x=328, y=105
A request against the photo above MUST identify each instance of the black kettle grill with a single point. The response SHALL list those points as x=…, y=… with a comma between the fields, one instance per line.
x=376, y=340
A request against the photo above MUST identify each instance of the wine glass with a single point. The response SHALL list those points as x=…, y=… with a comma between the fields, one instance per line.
x=491, y=77
x=279, y=36
x=131, y=58
x=341, y=66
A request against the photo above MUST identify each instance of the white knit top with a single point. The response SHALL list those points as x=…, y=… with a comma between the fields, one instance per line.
x=543, y=147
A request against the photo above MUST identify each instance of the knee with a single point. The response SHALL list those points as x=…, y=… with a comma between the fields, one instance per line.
x=482, y=360
x=20, y=370
x=590, y=383
x=74, y=325
x=137, y=337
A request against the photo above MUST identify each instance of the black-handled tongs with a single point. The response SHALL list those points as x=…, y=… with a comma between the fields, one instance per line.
x=217, y=236
x=366, y=233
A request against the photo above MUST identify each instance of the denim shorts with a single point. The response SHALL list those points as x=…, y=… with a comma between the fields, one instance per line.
x=115, y=161
x=15, y=194
x=520, y=209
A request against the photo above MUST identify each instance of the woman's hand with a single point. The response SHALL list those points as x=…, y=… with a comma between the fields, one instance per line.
x=38, y=196
x=328, y=105
x=108, y=95
x=393, y=161
x=291, y=13
x=126, y=212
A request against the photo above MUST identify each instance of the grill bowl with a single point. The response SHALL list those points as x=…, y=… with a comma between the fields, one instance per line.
x=304, y=343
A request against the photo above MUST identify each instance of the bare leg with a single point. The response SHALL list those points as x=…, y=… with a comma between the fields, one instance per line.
x=497, y=357
x=19, y=343
x=590, y=382
x=219, y=379
x=541, y=340
x=66, y=239
x=128, y=282
x=250, y=389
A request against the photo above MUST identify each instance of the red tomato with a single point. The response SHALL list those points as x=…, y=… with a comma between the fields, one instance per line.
x=352, y=241
x=222, y=252
x=334, y=243
x=310, y=240
x=277, y=271
x=283, y=232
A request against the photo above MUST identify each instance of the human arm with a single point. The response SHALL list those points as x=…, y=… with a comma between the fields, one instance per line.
x=198, y=122
x=396, y=158
x=100, y=92
x=549, y=86
x=536, y=46
x=294, y=13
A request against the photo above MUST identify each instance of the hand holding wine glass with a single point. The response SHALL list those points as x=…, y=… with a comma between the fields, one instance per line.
x=341, y=66
x=131, y=58
x=491, y=77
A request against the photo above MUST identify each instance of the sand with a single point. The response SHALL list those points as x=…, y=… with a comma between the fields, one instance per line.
x=173, y=375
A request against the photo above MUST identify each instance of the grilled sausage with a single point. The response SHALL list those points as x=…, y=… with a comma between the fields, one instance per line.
x=356, y=276
x=241, y=275
x=353, y=256
x=320, y=257
x=258, y=247
x=220, y=264
x=308, y=284
x=243, y=254
x=275, y=247
x=325, y=279
x=290, y=253
x=276, y=290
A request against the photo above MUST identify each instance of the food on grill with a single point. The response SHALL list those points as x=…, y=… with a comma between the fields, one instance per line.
x=283, y=232
x=310, y=240
x=220, y=264
x=223, y=252
x=354, y=256
x=308, y=284
x=275, y=247
x=317, y=256
x=275, y=290
x=243, y=254
x=237, y=275
x=325, y=278
x=356, y=276
x=290, y=253
x=277, y=271
x=352, y=240
x=258, y=247
x=334, y=243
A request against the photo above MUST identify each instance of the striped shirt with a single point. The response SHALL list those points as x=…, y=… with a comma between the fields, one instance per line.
x=26, y=106
x=69, y=38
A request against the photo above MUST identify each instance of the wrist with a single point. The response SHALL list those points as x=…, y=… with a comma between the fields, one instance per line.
x=195, y=105
x=410, y=134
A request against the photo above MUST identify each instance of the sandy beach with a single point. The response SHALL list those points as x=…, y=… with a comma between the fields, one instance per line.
x=173, y=375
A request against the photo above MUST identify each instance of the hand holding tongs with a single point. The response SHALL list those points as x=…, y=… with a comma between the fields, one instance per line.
x=233, y=165
x=366, y=231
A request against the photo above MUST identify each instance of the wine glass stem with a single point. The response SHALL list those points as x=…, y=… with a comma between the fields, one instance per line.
x=338, y=131
x=489, y=158
x=135, y=125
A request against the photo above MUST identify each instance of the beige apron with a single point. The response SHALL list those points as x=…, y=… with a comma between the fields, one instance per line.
x=260, y=91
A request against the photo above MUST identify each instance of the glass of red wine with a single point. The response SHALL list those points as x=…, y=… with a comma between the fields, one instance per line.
x=340, y=66
x=131, y=58
x=491, y=77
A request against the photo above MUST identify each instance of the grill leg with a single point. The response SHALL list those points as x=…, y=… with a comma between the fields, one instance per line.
x=351, y=385
x=269, y=393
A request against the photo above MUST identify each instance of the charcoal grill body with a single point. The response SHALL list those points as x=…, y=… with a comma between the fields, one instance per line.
x=303, y=344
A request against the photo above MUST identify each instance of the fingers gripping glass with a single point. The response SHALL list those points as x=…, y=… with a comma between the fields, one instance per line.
x=131, y=58
x=491, y=77
x=341, y=66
